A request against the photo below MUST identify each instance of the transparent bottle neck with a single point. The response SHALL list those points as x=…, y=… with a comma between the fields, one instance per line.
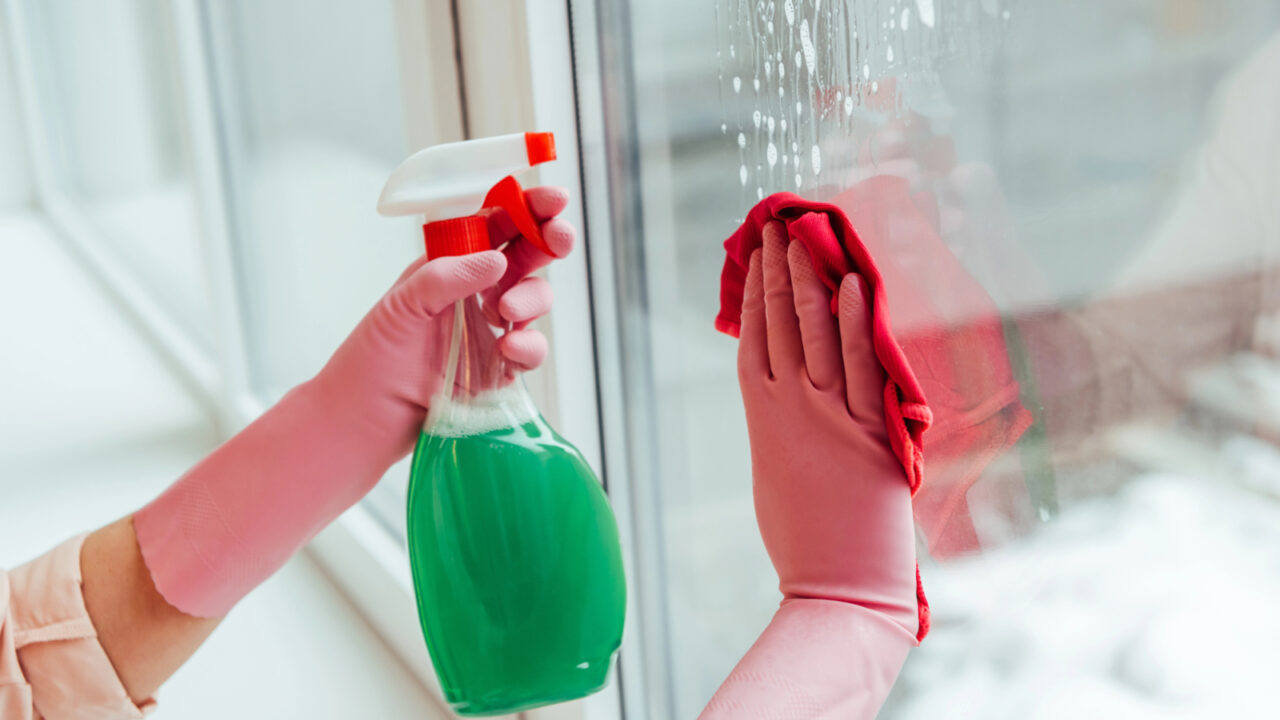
x=482, y=390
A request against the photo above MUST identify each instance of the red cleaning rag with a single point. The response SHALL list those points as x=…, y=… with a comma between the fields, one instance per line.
x=836, y=251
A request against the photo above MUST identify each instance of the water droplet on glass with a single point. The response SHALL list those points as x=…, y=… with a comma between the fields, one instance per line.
x=724, y=128
x=785, y=159
x=893, y=24
x=742, y=140
x=906, y=18
x=875, y=86
x=755, y=118
x=771, y=123
x=759, y=193
x=733, y=53
x=798, y=180
x=848, y=105
x=781, y=91
x=789, y=8
x=806, y=44
x=756, y=82
x=782, y=71
x=795, y=148
x=925, y=8
x=839, y=95
x=815, y=157
x=799, y=59
x=888, y=53
x=799, y=107
x=737, y=84
x=769, y=27
x=783, y=124
x=771, y=154
x=742, y=175
x=768, y=69
x=1005, y=15
x=866, y=71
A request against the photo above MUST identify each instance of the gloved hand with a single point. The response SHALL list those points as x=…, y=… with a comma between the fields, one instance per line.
x=831, y=498
x=238, y=515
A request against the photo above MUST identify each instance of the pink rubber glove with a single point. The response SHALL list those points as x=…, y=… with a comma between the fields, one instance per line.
x=238, y=515
x=831, y=499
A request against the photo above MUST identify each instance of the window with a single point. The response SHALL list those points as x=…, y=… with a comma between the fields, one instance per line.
x=1092, y=190
x=1099, y=181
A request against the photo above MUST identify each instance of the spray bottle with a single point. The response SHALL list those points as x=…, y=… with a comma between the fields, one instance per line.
x=514, y=548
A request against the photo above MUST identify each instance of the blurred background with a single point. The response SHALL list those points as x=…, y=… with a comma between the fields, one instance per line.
x=1082, y=199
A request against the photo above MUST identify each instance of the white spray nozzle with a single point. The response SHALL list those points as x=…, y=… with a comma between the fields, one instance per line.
x=450, y=180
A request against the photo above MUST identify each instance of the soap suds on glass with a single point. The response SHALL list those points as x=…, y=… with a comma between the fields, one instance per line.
x=855, y=66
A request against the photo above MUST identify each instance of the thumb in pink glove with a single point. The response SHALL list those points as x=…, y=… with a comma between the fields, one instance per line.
x=238, y=515
x=831, y=499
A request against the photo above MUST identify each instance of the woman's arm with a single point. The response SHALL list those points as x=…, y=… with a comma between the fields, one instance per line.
x=145, y=638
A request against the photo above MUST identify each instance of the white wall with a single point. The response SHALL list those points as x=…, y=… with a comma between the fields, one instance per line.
x=15, y=175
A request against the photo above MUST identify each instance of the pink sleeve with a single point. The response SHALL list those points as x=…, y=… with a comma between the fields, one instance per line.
x=51, y=665
x=818, y=660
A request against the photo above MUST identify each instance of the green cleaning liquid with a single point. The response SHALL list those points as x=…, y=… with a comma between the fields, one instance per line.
x=515, y=556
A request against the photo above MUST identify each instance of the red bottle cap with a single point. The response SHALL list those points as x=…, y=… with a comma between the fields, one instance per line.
x=456, y=236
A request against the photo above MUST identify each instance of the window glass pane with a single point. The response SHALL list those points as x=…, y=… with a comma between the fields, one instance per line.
x=311, y=99
x=312, y=110
x=111, y=104
x=1084, y=196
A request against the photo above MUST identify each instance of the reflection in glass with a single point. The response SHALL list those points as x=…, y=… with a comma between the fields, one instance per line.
x=1079, y=200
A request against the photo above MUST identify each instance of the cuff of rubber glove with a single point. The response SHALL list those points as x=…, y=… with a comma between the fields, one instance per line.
x=47, y=637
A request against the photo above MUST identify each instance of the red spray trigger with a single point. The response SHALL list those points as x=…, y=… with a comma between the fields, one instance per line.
x=508, y=195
